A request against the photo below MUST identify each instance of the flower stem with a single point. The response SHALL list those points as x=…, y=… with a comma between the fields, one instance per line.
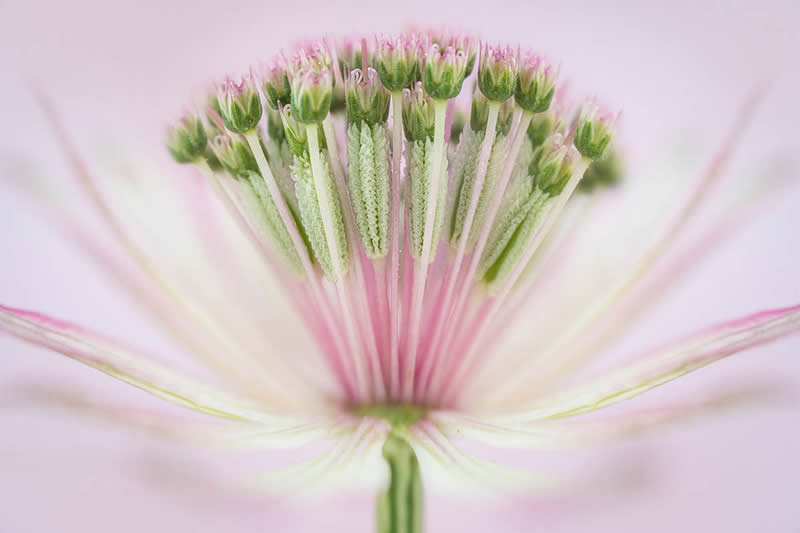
x=397, y=228
x=554, y=211
x=421, y=265
x=328, y=223
x=475, y=194
x=400, y=505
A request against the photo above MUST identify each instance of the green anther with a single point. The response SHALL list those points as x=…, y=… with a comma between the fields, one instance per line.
x=369, y=184
x=265, y=214
x=280, y=160
x=520, y=199
x=311, y=216
x=420, y=167
x=400, y=505
x=464, y=175
x=517, y=238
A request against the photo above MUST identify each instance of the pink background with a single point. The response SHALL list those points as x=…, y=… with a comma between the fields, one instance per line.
x=120, y=71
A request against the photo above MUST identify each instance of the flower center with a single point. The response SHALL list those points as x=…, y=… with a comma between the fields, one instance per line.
x=398, y=415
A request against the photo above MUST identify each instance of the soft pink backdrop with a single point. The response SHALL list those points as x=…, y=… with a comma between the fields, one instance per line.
x=119, y=71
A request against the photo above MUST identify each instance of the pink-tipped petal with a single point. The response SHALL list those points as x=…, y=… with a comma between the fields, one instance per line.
x=666, y=364
x=122, y=363
x=592, y=430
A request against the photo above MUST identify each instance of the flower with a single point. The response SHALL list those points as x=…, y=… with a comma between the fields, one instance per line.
x=239, y=104
x=497, y=72
x=536, y=84
x=407, y=354
x=446, y=67
x=367, y=99
x=398, y=60
x=274, y=83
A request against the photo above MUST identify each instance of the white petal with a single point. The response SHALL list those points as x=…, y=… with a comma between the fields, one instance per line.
x=442, y=462
x=125, y=365
x=666, y=364
x=590, y=430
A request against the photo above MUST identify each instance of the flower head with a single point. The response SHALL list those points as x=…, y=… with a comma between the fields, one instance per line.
x=553, y=164
x=399, y=60
x=362, y=328
x=367, y=99
x=594, y=130
x=536, y=84
x=497, y=72
x=274, y=82
x=446, y=68
x=234, y=155
x=186, y=141
x=239, y=104
x=311, y=80
x=418, y=119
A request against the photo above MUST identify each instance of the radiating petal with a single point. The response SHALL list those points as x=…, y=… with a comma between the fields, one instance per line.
x=666, y=364
x=585, y=431
x=357, y=442
x=223, y=434
x=563, y=300
x=457, y=469
x=119, y=362
x=199, y=266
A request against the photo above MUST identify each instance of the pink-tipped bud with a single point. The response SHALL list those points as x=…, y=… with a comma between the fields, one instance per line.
x=239, y=104
x=274, y=82
x=367, y=99
x=497, y=72
x=187, y=140
x=399, y=60
x=418, y=114
x=553, y=164
x=536, y=83
x=445, y=70
x=312, y=91
x=594, y=130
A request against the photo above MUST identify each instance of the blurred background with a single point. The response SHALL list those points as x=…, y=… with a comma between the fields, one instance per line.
x=119, y=72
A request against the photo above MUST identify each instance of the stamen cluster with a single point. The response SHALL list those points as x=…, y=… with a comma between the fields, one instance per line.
x=350, y=176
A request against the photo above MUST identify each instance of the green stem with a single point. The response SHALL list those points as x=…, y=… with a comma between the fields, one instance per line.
x=400, y=505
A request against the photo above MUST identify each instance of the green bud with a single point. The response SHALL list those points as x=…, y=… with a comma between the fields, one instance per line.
x=418, y=114
x=367, y=99
x=536, y=84
x=295, y=132
x=235, y=155
x=312, y=91
x=274, y=81
x=398, y=61
x=497, y=73
x=552, y=165
x=239, y=104
x=445, y=72
x=311, y=80
x=187, y=140
x=593, y=132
